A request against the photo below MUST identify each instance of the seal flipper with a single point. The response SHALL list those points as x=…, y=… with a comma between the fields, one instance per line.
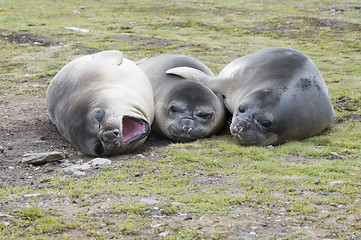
x=216, y=84
x=111, y=57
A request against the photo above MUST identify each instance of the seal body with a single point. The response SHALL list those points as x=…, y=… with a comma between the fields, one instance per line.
x=184, y=110
x=275, y=95
x=102, y=103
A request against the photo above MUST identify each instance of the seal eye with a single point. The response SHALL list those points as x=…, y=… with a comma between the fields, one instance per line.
x=99, y=116
x=266, y=123
x=241, y=109
x=174, y=109
x=205, y=116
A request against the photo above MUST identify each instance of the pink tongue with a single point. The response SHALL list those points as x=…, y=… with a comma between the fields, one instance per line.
x=131, y=129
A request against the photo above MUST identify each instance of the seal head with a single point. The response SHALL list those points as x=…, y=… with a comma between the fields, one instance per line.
x=184, y=110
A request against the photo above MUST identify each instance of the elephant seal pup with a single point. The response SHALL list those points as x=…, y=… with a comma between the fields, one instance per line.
x=274, y=94
x=102, y=103
x=184, y=110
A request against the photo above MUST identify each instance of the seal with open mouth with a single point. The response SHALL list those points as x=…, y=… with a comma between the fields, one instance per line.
x=102, y=103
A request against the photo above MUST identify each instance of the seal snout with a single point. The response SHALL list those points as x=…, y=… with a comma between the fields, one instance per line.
x=110, y=136
x=187, y=125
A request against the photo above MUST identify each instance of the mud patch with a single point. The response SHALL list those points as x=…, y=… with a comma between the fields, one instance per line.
x=341, y=9
x=27, y=38
x=302, y=27
x=149, y=42
x=346, y=104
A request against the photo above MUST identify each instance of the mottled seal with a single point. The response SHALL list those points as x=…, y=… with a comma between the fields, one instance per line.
x=102, y=103
x=184, y=110
x=275, y=95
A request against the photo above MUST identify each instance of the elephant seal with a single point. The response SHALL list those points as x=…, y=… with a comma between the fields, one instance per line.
x=184, y=110
x=275, y=95
x=103, y=104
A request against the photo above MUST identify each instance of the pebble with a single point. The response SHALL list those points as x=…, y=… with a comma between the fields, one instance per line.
x=317, y=181
x=77, y=29
x=149, y=201
x=270, y=147
x=44, y=157
x=335, y=182
x=336, y=155
x=31, y=195
x=100, y=161
x=188, y=216
x=82, y=7
x=76, y=11
x=78, y=169
x=5, y=215
x=163, y=234
x=1, y=149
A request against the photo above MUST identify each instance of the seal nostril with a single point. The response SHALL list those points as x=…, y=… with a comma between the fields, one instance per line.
x=116, y=133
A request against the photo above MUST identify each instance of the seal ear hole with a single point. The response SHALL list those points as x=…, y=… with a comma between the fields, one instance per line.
x=99, y=150
x=266, y=123
x=242, y=109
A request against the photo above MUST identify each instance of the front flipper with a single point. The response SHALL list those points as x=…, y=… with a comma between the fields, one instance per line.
x=216, y=84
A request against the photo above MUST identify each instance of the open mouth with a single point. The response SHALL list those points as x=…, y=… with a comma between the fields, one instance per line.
x=134, y=129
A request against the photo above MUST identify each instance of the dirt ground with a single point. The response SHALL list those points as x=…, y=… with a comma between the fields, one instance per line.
x=26, y=128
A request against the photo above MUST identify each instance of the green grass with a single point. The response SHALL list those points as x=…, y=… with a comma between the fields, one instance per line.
x=226, y=187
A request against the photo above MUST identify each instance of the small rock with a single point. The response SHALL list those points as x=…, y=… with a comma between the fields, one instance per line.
x=163, y=234
x=1, y=149
x=149, y=201
x=32, y=195
x=336, y=155
x=100, y=161
x=78, y=173
x=317, y=181
x=199, y=227
x=10, y=147
x=137, y=174
x=76, y=11
x=176, y=203
x=188, y=216
x=270, y=147
x=4, y=215
x=157, y=225
x=77, y=29
x=39, y=158
x=335, y=182
x=82, y=7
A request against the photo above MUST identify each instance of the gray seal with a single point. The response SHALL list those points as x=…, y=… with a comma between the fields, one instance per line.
x=103, y=104
x=275, y=95
x=184, y=110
